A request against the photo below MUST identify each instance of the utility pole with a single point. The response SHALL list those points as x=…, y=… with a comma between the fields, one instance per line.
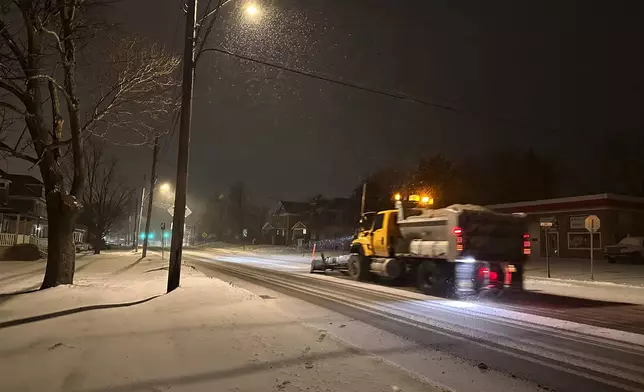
x=364, y=198
x=174, y=267
x=153, y=178
x=137, y=217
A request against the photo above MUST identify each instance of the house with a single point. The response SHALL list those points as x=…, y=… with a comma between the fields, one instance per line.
x=619, y=216
x=293, y=223
x=23, y=211
x=283, y=219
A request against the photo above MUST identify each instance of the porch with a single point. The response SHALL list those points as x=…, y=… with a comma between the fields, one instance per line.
x=9, y=239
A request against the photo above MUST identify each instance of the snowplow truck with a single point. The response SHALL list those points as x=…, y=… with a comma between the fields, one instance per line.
x=458, y=250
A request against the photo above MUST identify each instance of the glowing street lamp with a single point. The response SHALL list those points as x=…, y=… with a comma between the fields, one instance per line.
x=165, y=187
x=252, y=10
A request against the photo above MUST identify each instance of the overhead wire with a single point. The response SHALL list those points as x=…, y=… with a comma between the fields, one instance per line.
x=367, y=89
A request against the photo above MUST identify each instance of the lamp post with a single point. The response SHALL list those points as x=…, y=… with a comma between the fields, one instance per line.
x=183, y=153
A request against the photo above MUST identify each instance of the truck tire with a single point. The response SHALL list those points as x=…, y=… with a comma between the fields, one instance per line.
x=432, y=279
x=358, y=267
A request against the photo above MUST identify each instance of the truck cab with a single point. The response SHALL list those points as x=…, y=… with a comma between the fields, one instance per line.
x=379, y=237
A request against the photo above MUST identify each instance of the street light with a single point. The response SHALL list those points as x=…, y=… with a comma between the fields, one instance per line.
x=165, y=187
x=252, y=10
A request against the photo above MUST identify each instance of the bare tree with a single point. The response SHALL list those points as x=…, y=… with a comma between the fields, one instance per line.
x=42, y=48
x=105, y=198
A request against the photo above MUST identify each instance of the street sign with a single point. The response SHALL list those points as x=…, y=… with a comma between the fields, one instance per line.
x=592, y=223
x=547, y=222
x=245, y=233
x=171, y=211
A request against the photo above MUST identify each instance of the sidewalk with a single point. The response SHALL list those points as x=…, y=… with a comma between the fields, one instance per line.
x=622, y=283
x=115, y=330
x=579, y=270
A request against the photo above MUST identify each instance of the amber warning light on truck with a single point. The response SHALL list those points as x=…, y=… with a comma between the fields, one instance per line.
x=428, y=200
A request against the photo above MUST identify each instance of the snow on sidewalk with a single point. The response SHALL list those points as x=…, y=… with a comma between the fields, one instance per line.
x=115, y=330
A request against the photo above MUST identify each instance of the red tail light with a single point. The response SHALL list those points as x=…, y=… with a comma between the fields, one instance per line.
x=527, y=244
x=458, y=232
x=484, y=272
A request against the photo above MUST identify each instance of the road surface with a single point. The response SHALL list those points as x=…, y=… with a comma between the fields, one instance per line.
x=492, y=345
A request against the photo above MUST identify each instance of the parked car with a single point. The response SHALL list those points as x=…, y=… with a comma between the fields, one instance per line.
x=82, y=247
x=628, y=249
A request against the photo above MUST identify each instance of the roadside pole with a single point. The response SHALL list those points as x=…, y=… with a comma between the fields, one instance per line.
x=592, y=273
x=364, y=198
x=178, y=220
x=153, y=178
x=162, y=239
x=546, y=224
x=137, y=225
x=547, y=252
x=592, y=224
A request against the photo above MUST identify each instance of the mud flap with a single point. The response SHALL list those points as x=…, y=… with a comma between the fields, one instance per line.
x=464, y=279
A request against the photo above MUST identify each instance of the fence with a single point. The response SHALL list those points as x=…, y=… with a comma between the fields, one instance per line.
x=8, y=239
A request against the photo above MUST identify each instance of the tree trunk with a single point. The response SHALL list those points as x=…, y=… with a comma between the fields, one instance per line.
x=97, y=244
x=61, y=250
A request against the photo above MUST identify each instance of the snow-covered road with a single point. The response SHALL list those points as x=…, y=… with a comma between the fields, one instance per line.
x=556, y=353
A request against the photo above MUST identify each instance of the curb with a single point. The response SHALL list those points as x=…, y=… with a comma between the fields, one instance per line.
x=585, y=282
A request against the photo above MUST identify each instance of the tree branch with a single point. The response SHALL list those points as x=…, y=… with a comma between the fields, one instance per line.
x=10, y=87
x=11, y=107
x=53, y=81
x=16, y=154
x=4, y=33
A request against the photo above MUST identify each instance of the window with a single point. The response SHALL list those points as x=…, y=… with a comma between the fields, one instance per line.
x=377, y=223
x=581, y=241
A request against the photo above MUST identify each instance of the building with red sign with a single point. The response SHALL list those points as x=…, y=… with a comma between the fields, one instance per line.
x=619, y=216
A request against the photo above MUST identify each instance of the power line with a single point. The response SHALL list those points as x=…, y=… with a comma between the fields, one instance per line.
x=330, y=80
x=173, y=129
x=364, y=88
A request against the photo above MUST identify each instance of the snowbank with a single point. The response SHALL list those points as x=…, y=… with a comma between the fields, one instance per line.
x=115, y=330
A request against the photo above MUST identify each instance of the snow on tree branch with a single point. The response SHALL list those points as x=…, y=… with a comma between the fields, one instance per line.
x=135, y=92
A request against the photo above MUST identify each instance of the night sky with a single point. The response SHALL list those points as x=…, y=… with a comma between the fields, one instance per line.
x=563, y=70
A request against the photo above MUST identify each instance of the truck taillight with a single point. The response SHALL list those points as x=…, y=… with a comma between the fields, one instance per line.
x=485, y=272
x=526, y=244
x=458, y=232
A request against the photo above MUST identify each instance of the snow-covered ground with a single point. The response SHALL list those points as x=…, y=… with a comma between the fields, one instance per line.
x=578, y=270
x=568, y=284
x=597, y=291
x=115, y=330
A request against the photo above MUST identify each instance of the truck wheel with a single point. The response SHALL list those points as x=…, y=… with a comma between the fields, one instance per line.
x=432, y=280
x=358, y=267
